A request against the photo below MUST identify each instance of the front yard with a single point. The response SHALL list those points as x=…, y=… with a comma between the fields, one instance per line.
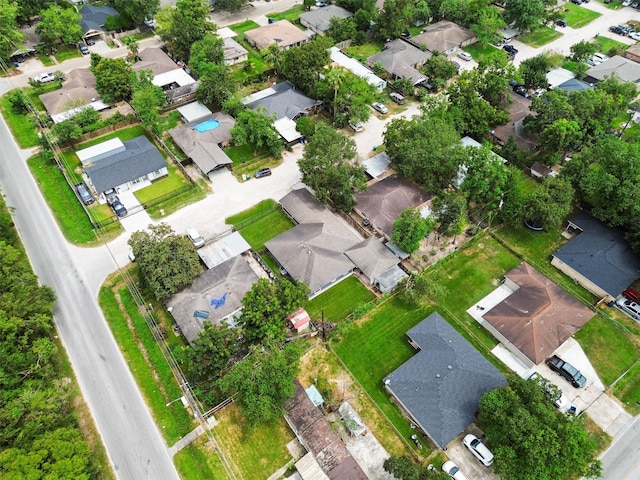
x=541, y=36
x=246, y=161
x=577, y=16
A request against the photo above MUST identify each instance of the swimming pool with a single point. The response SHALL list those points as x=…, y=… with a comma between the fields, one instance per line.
x=208, y=125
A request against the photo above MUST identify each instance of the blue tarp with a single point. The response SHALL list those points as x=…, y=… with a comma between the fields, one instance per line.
x=218, y=302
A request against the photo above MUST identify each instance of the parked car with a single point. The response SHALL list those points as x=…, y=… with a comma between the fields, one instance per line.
x=356, y=127
x=577, y=2
x=617, y=29
x=479, y=449
x=396, y=97
x=635, y=36
x=90, y=41
x=380, y=107
x=510, y=49
x=84, y=50
x=83, y=192
x=561, y=22
x=453, y=471
x=455, y=64
x=263, y=172
x=195, y=238
x=555, y=394
x=568, y=371
x=632, y=295
x=626, y=3
x=119, y=208
x=522, y=91
x=465, y=56
x=630, y=307
x=44, y=78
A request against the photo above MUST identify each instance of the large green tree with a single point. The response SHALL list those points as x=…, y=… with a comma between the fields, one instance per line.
x=113, y=79
x=206, y=51
x=549, y=205
x=216, y=83
x=488, y=23
x=305, y=65
x=147, y=101
x=530, y=438
x=348, y=96
x=138, y=10
x=10, y=36
x=404, y=468
x=450, y=209
x=184, y=25
x=167, y=262
x=394, y=18
x=263, y=381
x=533, y=71
x=59, y=24
x=255, y=127
x=328, y=166
x=212, y=350
x=409, y=229
x=266, y=306
x=525, y=15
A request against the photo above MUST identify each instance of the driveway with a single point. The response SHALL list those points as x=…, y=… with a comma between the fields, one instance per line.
x=465, y=460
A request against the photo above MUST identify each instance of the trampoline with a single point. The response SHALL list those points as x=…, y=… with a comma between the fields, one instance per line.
x=208, y=125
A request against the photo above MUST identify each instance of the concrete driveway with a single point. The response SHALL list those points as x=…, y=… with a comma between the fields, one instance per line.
x=465, y=460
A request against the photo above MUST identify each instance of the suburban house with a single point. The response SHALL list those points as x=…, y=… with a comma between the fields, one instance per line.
x=166, y=73
x=377, y=264
x=286, y=104
x=215, y=296
x=558, y=76
x=633, y=52
x=355, y=67
x=77, y=93
x=574, y=85
x=118, y=166
x=444, y=37
x=283, y=33
x=202, y=137
x=597, y=257
x=218, y=252
x=535, y=317
x=233, y=52
x=313, y=251
x=93, y=19
x=383, y=201
x=377, y=165
x=400, y=59
x=440, y=387
x=319, y=20
x=623, y=68
x=326, y=456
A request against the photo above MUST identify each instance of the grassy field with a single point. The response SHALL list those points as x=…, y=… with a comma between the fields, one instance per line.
x=627, y=390
x=246, y=161
x=376, y=346
x=340, y=300
x=607, y=43
x=255, y=454
x=198, y=461
x=540, y=36
x=577, y=16
x=20, y=125
x=163, y=186
x=261, y=223
x=65, y=52
x=362, y=52
x=292, y=14
x=478, y=52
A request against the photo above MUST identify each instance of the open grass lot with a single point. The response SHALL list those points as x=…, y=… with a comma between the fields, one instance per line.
x=246, y=161
x=627, y=390
x=264, y=229
x=577, y=16
x=362, y=52
x=478, y=52
x=541, y=36
x=21, y=127
x=377, y=345
x=242, y=27
x=292, y=14
x=257, y=211
x=340, y=300
x=609, y=346
x=65, y=52
x=253, y=454
x=146, y=362
x=607, y=43
x=45, y=59
x=198, y=461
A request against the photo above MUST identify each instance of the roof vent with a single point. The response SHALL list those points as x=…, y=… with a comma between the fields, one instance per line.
x=437, y=375
x=449, y=367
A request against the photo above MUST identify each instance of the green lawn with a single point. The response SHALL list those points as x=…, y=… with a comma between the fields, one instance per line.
x=20, y=125
x=163, y=186
x=609, y=347
x=123, y=134
x=340, y=300
x=198, y=461
x=269, y=226
x=242, y=27
x=246, y=161
x=292, y=14
x=362, y=52
x=577, y=16
x=607, y=43
x=45, y=59
x=627, y=390
x=65, y=52
x=258, y=210
x=541, y=36
x=375, y=347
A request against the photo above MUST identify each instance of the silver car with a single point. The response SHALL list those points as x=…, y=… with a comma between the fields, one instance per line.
x=380, y=107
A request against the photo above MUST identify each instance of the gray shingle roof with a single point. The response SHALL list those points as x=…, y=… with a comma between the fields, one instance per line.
x=443, y=36
x=140, y=158
x=372, y=257
x=320, y=19
x=93, y=17
x=286, y=102
x=399, y=55
x=442, y=384
x=623, y=68
x=601, y=254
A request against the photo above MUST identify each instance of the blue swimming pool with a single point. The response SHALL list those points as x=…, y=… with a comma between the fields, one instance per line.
x=208, y=125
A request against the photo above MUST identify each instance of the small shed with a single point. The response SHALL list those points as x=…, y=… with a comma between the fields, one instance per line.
x=352, y=420
x=314, y=395
x=193, y=111
x=299, y=320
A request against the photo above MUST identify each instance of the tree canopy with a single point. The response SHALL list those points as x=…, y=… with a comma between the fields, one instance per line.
x=549, y=205
x=208, y=50
x=113, y=79
x=212, y=350
x=59, y=23
x=216, y=84
x=404, y=468
x=304, y=64
x=530, y=438
x=138, y=10
x=147, y=100
x=184, y=25
x=255, y=127
x=167, y=262
x=328, y=166
x=525, y=15
x=408, y=230
x=347, y=95
x=11, y=37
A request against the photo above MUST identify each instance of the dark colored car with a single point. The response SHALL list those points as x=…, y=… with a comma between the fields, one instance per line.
x=83, y=49
x=561, y=23
x=522, y=91
x=83, y=192
x=91, y=41
x=263, y=172
x=617, y=29
x=566, y=370
x=577, y=2
x=510, y=49
x=116, y=205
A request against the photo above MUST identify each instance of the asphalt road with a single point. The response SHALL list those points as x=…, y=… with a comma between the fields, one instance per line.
x=622, y=460
x=133, y=442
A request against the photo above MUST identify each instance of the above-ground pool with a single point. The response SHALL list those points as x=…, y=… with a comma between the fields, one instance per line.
x=208, y=125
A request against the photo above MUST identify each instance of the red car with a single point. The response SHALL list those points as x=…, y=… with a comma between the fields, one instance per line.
x=632, y=295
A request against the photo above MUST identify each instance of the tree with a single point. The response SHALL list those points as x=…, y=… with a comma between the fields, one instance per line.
x=530, y=438
x=273, y=55
x=147, y=101
x=230, y=5
x=167, y=262
x=408, y=230
x=212, y=350
x=561, y=136
x=533, y=71
x=67, y=131
x=581, y=51
x=347, y=95
x=394, y=18
x=113, y=79
x=328, y=166
x=451, y=212
x=489, y=23
x=206, y=51
x=404, y=468
x=263, y=382
x=132, y=44
x=59, y=24
x=255, y=127
x=138, y=10
x=549, y=205
x=11, y=37
x=266, y=306
x=216, y=84
x=439, y=69
x=423, y=149
x=308, y=4
x=304, y=65
x=341, y=29
x=118, y=23
x=184, y=25
x=525, y=15
x=306, y=126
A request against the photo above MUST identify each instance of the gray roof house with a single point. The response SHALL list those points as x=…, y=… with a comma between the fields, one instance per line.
x=93, y=19
x=598, y=257
x=574, y=85
x=319, y=20
x=375, y=260
x=400, y=59
x=202, y=145
x=196, y=304
x=283, y=33
x=126, y=167
x=444, y=36
x=623, y=68
x=233, y=52
x=440, y=386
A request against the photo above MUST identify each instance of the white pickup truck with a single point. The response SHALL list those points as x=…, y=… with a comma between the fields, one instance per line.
x=44, y=78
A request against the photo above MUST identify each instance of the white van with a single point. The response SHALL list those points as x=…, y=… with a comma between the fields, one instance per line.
x=629, y=307
x=195, y=238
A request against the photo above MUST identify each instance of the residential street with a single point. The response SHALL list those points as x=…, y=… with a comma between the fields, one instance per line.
x=622, y=460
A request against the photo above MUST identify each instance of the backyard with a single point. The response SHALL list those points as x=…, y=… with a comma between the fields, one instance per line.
x=246, y=161
x=340, y=300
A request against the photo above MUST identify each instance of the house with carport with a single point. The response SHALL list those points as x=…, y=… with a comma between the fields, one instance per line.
x=93, y=18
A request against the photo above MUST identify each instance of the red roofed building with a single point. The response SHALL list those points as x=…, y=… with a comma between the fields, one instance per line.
x=299, y=320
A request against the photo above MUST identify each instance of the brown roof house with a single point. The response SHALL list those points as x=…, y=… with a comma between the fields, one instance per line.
x=536, y=318
x=400, y=59
x=633, y=52
x=445, y=37
x=283, y=33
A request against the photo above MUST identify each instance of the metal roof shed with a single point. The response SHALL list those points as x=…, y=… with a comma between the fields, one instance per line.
x=102, y=150
x=193, y=111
